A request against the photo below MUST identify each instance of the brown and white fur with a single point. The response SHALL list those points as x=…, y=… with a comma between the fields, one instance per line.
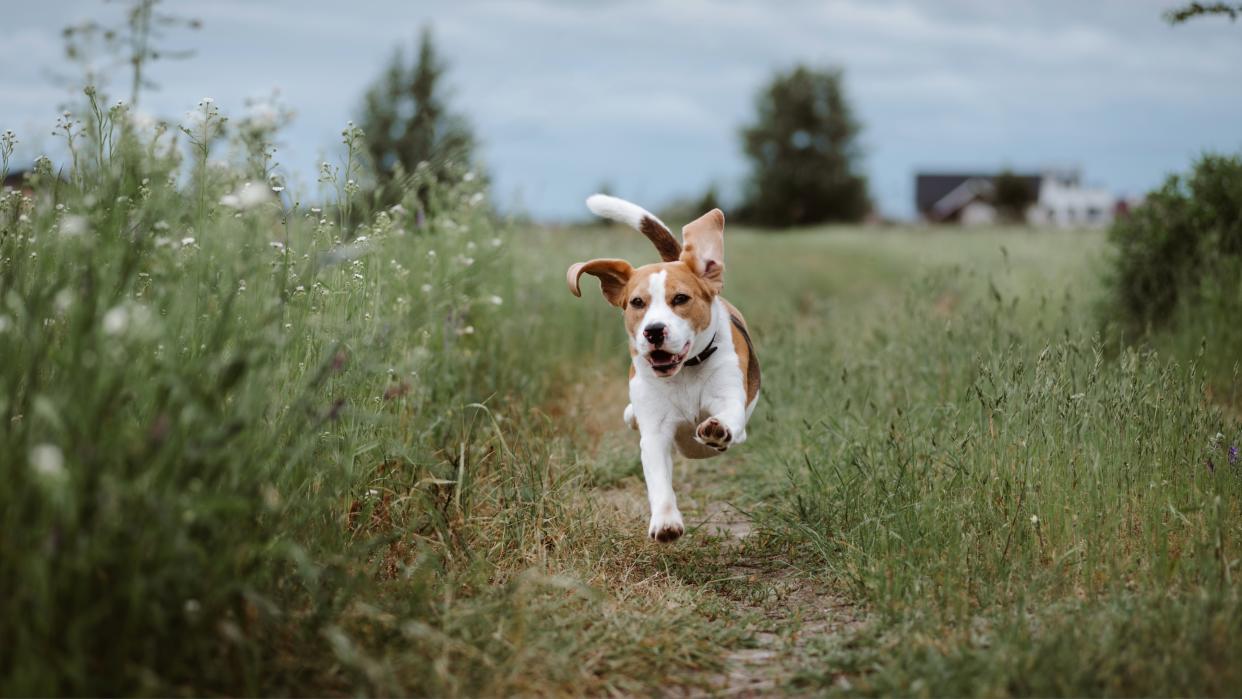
x=683, y=394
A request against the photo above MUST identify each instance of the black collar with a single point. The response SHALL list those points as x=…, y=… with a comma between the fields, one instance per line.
x=704, y=355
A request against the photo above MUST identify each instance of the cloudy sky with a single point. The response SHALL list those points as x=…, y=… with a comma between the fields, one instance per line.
x=650, y=95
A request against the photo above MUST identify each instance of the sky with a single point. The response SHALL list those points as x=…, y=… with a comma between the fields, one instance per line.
x=650, y=95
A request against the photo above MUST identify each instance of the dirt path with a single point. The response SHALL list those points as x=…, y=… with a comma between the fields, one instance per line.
x=787, y=618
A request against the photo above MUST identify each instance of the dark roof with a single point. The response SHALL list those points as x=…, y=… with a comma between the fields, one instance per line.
x=14, y=179
x=930, y=188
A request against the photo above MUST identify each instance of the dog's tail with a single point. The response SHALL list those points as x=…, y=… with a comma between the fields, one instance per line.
x=640, y=220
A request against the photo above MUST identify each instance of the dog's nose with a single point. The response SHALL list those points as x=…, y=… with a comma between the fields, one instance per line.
x=654, y=334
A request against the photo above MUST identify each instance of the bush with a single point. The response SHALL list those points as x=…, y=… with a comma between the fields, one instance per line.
x=1187, y=234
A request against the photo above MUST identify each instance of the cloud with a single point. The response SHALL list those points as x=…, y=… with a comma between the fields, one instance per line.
x=650, y=94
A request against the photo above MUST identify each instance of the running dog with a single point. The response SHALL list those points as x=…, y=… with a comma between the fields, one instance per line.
x=694, y=376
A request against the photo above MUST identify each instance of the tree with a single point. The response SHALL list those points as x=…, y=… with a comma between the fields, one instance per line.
x=1196, y=9
x=804, y=152
x=1012, y=195
x=408, y=124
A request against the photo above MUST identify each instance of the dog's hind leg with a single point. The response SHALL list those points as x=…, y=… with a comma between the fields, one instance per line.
x=628, y=416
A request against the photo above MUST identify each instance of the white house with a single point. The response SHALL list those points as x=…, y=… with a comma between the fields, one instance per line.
x=967, y=199
x=1065, y=204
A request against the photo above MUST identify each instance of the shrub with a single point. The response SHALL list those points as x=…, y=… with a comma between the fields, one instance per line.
x=1187, y=234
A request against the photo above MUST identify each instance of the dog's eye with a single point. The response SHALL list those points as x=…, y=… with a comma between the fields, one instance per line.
x=680, y=299
x=637, y=302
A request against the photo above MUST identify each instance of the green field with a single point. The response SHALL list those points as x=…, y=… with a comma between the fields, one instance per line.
x=245, y=452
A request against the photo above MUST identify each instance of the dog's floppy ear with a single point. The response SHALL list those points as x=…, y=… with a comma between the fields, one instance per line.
x=704, y=247
x=613, y=277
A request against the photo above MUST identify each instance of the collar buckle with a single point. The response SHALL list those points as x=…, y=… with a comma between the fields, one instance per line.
x=704, y=355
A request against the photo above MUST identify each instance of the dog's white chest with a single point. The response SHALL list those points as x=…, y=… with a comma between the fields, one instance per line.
x=677, y=405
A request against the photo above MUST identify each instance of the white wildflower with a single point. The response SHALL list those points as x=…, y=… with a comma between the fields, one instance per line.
x=63, y=300
x=1035, y=520
x=495, y=300
x=73, y=225
x=130, y=318
x=426, y=288
x=116, y=320
x=48, y=461
x=248, y=196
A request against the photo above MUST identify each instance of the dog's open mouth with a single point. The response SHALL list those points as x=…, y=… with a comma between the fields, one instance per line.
x=666, y=363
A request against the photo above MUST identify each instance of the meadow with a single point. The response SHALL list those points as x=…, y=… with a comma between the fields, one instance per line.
x=257, y=446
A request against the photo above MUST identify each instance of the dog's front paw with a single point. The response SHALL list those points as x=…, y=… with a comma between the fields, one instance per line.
x=713, y=433
x=666, y=527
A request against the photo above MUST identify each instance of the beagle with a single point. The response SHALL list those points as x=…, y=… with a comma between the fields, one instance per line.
x=694, y=377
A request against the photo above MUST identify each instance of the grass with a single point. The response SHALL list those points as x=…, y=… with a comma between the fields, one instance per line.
x=1018, y=505
x=262, y=450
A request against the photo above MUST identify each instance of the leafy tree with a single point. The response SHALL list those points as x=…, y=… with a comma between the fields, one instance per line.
x=1196, y=9
x=409, y=125
x=804, y=152
x=1012, y=196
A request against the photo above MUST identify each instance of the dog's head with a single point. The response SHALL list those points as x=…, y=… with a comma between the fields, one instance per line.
x=667, y=305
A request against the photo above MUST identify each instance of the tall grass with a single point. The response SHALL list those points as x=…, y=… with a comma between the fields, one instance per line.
x=248, y=447
x=1014, y=500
